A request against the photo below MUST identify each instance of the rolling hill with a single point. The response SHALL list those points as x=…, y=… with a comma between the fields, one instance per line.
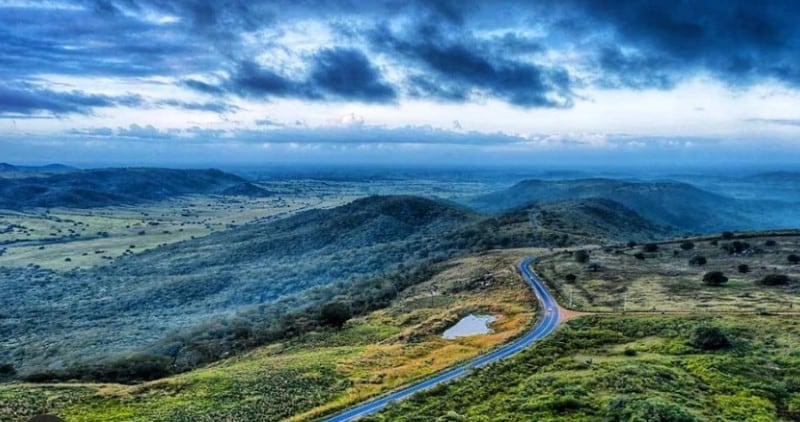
x=678, y=205
x=195, y=301
x=104, y=187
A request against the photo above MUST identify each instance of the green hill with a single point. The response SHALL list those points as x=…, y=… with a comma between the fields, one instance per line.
x=104, y=187
x=678, y=205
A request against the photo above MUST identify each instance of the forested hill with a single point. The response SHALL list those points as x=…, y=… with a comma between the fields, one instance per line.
x=194, y=301
x=104, y=187
x=667, y=203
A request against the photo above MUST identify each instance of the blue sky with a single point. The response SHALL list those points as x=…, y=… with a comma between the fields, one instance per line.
x=573, y=81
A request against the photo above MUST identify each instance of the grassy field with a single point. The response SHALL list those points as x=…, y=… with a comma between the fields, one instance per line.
x=615, y=368
x=65, y=238
x=665, y=280
x=316, y=373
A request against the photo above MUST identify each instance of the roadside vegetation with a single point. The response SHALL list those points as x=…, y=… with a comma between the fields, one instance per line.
x=318, y=371
x=616, y=368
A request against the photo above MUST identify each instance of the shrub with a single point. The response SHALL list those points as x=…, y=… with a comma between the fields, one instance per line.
x=593, y=267
x=727, y=235
x=631, y=243
x=624, y=408
x=775, y=280
x=709, y=338
x=687, y=245
x=715, y=278
x=7, y=370
x=770, y=242
x=639, y=256
x=336, y=314
x=629, y=352
x=570, y=278
x=735, y=247
x=743, y=268
x=698, y=260
x=793, y=258
x=650, y=247
x=581, y=256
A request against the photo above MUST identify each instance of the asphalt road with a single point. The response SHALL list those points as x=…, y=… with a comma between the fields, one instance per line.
x=545, y=327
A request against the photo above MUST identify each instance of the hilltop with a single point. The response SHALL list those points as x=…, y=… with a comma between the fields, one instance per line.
x=105, y=187
x=678, y=205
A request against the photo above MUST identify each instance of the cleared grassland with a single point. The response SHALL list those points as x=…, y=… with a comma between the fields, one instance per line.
x=318, y=372
x=665, y=280
x=67, y=238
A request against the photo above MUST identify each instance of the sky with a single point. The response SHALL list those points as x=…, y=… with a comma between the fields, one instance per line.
x=548, y=82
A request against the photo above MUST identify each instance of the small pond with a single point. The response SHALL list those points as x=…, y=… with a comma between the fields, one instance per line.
x=470, y=325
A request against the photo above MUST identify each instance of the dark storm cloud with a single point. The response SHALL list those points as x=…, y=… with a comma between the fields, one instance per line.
x=383, y=51
x=27, y=99
x=738, y=41
x=459, y=66
x=335, y=74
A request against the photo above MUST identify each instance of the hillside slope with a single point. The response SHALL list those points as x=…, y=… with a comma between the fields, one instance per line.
x=140, y=298
x=104, y=187
x=674, y=204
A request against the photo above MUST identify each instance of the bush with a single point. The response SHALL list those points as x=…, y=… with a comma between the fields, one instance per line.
x=698, y=260
x=687, y=245
x=7, y=370
x=775, y=280
x=336, y=314
x=581, y=256
x=650, y=247
x=793, y=258
x=743, y=268
x=727, y=235
x=629, y=352
x=735, y=247
x=655, y=409
x=715, y=278
x=570, y=278
x=770, y=242
x=631, y=243
x=639, y=256
x=709, y=338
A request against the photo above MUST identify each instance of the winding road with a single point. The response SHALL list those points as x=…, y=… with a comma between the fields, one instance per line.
x=546, y=326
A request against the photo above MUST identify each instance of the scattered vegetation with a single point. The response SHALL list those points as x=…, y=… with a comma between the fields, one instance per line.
x=683, y=369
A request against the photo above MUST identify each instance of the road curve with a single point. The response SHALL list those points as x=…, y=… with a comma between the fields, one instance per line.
x=546, y=326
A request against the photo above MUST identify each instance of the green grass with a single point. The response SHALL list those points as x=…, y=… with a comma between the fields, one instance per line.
x=631, y=369
x=318, y=372
x=665, y=281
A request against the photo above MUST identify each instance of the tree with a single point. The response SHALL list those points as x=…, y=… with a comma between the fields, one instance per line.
x=743, y=268
x=639, y=256
x=687, y=245
x=593, y=267
x=770, y=242
x=774, y=280
x=793, y=258
x=727, y=235
x=581, y=256
x=570, y=278
x=336, y=313
x=631, y=243
x=650, y=247
x=709, y=338
x=715, y=278
x=7, y=370
x=698, y=260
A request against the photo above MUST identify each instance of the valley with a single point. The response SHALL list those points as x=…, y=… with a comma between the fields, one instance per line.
x=225, y=303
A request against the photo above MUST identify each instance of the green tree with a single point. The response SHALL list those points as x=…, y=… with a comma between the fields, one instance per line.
x=698, y=260
x=581, y=256
x=714, y=278
x=336, y=313
x=709, y=338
